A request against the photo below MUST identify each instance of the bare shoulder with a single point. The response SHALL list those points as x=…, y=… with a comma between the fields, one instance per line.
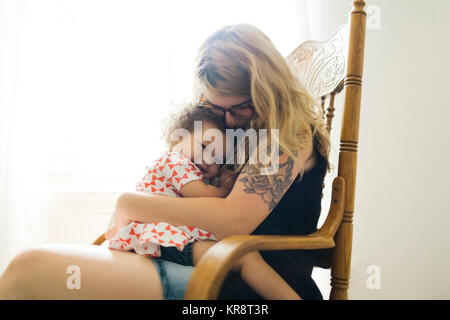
x=272, y=187
x=257, y=192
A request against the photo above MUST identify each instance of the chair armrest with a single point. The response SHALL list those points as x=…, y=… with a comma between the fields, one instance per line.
x=210, y=272
x=212, y=268
x=99, y=240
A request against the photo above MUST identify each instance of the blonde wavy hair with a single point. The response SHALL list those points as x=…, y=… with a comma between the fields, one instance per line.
x=240, y=60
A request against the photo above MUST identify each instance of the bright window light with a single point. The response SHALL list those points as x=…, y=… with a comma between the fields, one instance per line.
x=105, y=73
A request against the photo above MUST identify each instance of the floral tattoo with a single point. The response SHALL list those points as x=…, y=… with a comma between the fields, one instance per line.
x=270, y=189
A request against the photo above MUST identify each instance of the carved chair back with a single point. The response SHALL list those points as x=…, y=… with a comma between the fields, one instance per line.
x=326, y=68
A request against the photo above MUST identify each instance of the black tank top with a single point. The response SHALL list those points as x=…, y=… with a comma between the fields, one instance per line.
x=297, y=213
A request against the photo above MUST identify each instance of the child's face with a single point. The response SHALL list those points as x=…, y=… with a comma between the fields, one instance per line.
x=209, y=165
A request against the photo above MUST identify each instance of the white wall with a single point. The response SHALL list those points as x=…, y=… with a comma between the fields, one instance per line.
x=402, y=208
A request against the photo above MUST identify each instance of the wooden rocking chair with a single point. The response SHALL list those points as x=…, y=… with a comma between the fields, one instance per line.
x=325, y=68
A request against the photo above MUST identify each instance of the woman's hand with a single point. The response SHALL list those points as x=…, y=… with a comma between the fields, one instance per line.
x=111, y=233
x=118, y=220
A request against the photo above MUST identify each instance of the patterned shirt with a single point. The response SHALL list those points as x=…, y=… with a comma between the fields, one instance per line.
x=166, y=176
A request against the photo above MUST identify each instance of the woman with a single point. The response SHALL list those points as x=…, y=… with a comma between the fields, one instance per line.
x=241, y=76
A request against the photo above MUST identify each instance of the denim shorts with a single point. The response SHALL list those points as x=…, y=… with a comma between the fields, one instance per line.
x=174, y=278
x=175, y=269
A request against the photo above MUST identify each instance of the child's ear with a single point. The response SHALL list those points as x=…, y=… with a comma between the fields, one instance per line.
x=178, y=135
x=177, y=146
x=177, y=140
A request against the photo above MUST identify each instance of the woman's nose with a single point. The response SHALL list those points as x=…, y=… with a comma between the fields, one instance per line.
x=230, y=120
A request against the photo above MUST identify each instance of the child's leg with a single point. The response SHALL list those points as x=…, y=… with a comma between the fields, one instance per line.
x=199, y=248
x=255, y=272
x=260, y=276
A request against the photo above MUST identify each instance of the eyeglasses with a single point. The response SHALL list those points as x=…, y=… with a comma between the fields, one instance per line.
x=241, y=111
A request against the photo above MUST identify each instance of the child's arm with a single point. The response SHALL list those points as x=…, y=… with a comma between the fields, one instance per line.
x=199, y=189
x=255, y=272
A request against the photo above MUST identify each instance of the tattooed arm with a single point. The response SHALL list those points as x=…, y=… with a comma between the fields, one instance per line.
x=258, y=194
x=250, y=201
x=270, y=188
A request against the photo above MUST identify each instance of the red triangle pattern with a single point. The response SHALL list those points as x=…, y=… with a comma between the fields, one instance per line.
x=166, y=175
x=146, y=238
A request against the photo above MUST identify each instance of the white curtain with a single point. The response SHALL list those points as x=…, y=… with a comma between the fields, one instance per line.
x=23, y=143
x=85, y=87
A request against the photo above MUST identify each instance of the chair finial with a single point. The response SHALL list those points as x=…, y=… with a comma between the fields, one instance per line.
x=358, y=7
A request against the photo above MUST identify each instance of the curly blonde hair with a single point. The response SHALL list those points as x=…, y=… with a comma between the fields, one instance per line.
x=240, y=60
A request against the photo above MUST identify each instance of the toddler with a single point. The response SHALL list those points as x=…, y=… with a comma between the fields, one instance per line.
x=175, y=174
